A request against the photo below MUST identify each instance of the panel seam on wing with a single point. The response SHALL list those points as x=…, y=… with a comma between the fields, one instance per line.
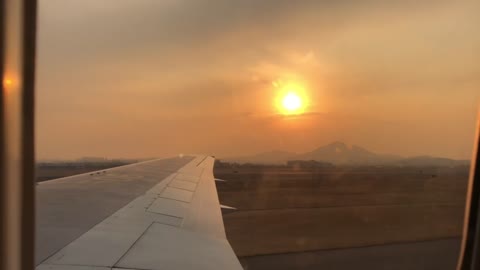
x=133, y=244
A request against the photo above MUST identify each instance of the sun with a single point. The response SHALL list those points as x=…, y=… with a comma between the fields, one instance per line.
x=291, y=98
x=291, y=102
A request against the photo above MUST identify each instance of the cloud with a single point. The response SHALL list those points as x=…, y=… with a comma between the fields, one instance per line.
x=110, y=29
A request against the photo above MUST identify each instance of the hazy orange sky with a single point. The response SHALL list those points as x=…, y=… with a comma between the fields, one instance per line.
x=148, y=78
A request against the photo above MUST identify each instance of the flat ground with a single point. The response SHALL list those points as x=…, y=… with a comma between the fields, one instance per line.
x=304, y=218
x=435, y=255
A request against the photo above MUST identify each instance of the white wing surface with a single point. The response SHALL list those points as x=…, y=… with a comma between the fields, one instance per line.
x=160, y=214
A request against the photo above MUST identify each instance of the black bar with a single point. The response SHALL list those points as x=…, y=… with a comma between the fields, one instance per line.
x=28, y=139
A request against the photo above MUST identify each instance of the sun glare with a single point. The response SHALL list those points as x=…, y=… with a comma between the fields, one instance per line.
x=7, y=82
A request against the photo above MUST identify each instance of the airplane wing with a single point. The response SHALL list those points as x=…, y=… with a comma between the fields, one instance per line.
x=160, y=214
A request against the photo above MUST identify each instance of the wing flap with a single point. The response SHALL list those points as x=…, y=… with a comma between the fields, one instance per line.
x=185, y=250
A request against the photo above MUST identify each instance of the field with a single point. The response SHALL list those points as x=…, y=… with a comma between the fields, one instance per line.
x=285, y=210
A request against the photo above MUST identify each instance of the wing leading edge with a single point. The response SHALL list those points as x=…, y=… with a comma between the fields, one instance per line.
x=176, y=224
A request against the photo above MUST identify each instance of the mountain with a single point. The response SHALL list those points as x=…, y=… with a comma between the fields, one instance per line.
x=340, y=153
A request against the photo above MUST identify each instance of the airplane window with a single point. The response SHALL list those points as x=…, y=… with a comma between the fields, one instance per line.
x=342, y=131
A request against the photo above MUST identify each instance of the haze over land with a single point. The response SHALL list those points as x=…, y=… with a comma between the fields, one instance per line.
x=340, y=153
x=142, y=78
x=344, y=217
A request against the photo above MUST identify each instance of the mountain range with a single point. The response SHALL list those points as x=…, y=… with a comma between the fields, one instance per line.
x=339, y=153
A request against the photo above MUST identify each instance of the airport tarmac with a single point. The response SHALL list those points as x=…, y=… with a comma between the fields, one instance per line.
x=429, y=255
